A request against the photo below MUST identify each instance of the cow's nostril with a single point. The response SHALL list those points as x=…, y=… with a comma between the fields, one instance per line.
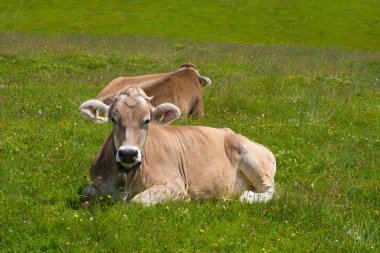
x=132, y=153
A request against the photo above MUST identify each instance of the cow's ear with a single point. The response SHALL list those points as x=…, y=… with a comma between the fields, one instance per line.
x=204, y=81
x=165, y=113
x=95, y=110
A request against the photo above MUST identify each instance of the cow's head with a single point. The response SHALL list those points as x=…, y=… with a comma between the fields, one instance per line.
x=204, y=81
x=130, y=113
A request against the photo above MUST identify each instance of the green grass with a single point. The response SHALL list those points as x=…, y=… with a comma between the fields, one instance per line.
x=349, y=24
x=316, y=109
x=300, y=77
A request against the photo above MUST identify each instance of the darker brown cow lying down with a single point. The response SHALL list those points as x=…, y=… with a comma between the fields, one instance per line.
x=153, y=163
x=181, y=87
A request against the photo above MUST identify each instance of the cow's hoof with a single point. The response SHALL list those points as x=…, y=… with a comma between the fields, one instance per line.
x=247, y=197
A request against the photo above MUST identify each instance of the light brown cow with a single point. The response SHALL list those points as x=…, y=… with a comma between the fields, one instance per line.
x=153, y=163
x=182, y=87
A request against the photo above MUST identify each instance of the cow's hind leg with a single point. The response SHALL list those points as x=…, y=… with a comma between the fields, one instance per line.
x=259, y=166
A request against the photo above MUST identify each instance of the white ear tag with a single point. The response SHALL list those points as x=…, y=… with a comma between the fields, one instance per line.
x=100, y=117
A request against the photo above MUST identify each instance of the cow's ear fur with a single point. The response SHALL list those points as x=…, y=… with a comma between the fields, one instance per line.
x=165, y=113
x=204, y=81
x=95, y=110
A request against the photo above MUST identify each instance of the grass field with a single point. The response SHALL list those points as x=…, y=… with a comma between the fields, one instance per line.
x=322, y=23
x=316, y=108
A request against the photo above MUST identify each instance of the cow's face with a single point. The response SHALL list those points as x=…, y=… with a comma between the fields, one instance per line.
x=130, y=114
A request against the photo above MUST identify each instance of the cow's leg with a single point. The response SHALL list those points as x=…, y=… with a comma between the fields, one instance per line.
x=259, y=166
x=198, y=110
x=159, y=194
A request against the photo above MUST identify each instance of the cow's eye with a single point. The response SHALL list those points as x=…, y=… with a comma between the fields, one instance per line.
x=146, y=122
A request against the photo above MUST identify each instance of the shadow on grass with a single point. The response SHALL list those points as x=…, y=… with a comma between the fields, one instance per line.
x=82, y=201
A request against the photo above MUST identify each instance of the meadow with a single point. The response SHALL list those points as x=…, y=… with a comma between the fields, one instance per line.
x=318, y=23
x=313, y=102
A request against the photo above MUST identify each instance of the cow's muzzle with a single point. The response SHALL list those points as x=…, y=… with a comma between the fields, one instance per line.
x=128, y=156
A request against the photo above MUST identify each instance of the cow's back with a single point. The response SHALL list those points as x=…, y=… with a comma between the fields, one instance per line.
x=181, y=87
x=120, y=83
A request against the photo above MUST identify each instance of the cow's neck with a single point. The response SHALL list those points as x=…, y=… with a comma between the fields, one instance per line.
x=125, y=183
